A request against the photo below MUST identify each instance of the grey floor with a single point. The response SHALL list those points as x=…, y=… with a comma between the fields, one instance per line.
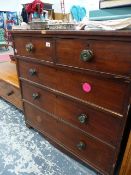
x=24, y=151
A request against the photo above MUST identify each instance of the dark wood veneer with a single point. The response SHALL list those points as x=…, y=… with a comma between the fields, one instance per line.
x=69, y=137
x=103, y=126
x=39, y=50
x=89, y=126
x=106, y=93
x=107, y=57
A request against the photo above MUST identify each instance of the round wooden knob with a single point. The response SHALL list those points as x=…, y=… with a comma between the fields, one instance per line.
x=86, y=55
x=32, y=72
x=29, y=47
x=82, y=118
x=35, y=96
x=81, y=145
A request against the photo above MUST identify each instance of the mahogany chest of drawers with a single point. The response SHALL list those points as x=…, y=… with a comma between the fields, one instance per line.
x=76, y=90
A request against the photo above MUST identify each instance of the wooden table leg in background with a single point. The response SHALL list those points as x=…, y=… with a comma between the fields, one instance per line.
x=126, y=163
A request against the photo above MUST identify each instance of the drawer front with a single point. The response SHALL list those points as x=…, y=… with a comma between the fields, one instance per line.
x=85, y=148
x=10, y=93
x=39, y=97
x=106, y=93
x=105, y=56
x=99, y=124
x=40, y=48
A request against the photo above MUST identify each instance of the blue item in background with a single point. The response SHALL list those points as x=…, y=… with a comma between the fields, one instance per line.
x=12, y=19
x=78, y=13
x=1, y=20
x=74, y=13
x=83, y=12
x=110, y=14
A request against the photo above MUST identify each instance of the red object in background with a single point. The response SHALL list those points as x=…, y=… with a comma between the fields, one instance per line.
x=9, y=21
x=28, y=8
x=35, y=6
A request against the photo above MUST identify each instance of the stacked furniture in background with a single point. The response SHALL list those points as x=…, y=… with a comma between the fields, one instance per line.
x=111, y=13
x=113, y=3
x=9, y=85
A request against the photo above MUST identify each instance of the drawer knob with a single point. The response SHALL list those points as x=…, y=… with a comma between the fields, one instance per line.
x=86, y=55
x=81, y=145
x=29, y=47
x=35, y=96
x=10, y=93
x=82, y=118
x=32, y=72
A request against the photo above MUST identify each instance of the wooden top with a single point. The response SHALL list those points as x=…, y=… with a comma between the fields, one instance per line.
x=8, y=73
x=77, y=32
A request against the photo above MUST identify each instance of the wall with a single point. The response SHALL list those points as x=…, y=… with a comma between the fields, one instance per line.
x=9, y=6
x=15, y=5
x=88, y=4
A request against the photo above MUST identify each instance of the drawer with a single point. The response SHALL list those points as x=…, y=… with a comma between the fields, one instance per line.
x=40, y=48
x=10, y=93
x=105, y=93
x=99, y=124
x=39, y=97
x=96, y=153
x=105, y=56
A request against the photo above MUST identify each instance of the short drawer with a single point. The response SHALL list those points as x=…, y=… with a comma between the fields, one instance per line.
x=106, y=56
x=89, y=150
x=10, y=93
x=40, y=48
x=97, y=91
x=39, y=97
x=96, y=123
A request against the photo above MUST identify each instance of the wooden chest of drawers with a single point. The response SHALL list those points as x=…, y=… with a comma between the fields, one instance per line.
x=76, y=88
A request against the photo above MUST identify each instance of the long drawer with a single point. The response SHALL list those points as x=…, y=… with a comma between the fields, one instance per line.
x=95, y=153
x=105, y=93
x=98, y=124
x=40, y=48
x=105, y=56
x=10, y=93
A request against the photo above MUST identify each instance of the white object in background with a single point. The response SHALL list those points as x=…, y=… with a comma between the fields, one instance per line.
x=108, y=24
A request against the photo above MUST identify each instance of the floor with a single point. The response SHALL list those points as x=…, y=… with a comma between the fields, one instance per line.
x=4, y=54
x=24, y=151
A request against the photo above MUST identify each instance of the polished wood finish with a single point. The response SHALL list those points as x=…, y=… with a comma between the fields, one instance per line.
x=9, y=85
x=57, y=130
x=8, y=73
x=105, y=57
x=76, y=90
x=10, y=93
x=126, y=163
x=101, y=94
x=42, y=48
x=69, y=111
